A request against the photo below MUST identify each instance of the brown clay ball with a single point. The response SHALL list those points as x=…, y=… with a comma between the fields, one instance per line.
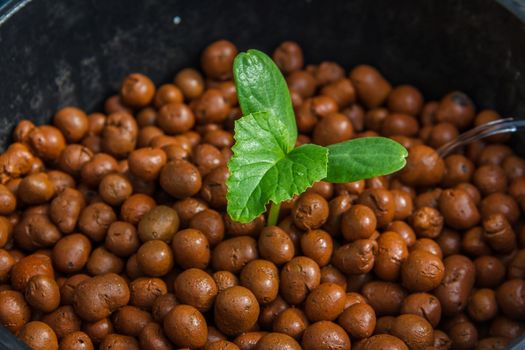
x=325, y=335
x=42, y=293
x=359, y=222
x=277, y=341
x=137, y=90
x=155, y=258
x=39, y=336
x=14, y=311
x=326, y=302
x=298, y=277
x=383, y=341
x=310, y=211
x=292, y=322
x=422, y=271
x=424, y=167
x=414, y=330
x=276, y=245
x=160, y=223
x=191, y=249
x=185, y=326
x=180, y=179
x=359, y=320
x=76, y=341
x=510, y=297
x=236, y=310
x=288, y=56
x=217, y=59
x=197, y=288
x=262, y=278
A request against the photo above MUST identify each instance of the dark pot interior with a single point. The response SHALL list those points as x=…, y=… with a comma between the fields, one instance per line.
x=68, y=52
x=76, y=52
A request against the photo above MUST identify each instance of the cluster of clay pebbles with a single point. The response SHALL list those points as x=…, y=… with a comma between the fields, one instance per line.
x=114, y=232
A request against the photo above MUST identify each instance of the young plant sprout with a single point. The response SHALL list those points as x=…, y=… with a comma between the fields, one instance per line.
x=266, y=167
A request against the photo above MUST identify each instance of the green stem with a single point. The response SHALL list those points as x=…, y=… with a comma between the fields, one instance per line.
x=273, y=216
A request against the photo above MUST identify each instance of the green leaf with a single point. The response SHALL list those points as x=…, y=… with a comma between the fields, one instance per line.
x=261, y=169
x=364, y=158
x=261, y=87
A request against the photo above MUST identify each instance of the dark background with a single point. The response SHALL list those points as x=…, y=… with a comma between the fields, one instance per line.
x=76, y=52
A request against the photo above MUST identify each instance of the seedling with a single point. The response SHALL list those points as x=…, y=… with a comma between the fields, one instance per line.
x=266, y=167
